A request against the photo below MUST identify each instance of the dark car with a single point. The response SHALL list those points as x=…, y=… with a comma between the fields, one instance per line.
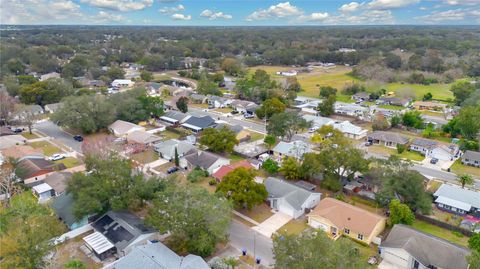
x=172, y=170
x=434, y=161
x=78, y=138
x=17, y=130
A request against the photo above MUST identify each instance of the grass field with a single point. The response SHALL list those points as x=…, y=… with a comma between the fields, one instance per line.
x=295, y=227
x=440, y=232
x=439, y=91
x=410, y=155
x=459, y=168
x=145, y=157
x=47, y=148
x=69, y=162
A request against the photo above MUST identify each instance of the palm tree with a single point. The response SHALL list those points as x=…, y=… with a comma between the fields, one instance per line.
x=465, y=180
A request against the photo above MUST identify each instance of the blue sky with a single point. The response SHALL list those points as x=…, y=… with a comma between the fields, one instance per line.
x=236, y=12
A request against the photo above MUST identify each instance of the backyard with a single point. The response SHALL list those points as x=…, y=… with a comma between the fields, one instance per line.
x=69, y=162
x=146, y=156
x=459, y=168
x=441, y=232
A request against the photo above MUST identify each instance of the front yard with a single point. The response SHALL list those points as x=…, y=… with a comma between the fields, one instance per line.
x=294, y=227
x=223, y=110
x=145, y=157
x=254, y=136
x=459, y=168
x=69, y=162
x=47, y=148
x=29, y=136
x=259, y=213
x=409, y=155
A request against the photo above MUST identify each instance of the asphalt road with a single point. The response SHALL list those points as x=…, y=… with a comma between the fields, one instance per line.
x=242, y=237
x=51, y=129
x=231, y=120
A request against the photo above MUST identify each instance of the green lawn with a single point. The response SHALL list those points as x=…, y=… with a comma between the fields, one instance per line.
x=392, y=107
x=167, y=135
x=254, y=136
x=69, y=162
x=234, y=158
x=410, y=155
x=29, y=136
x=223, y=110
x=47, y=148
x=440, y=232
x=439, y=91
x=459, y=168
x=345, y=98
x=295, y=226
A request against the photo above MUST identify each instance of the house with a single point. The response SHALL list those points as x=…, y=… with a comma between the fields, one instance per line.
x=49, y=76
x=29, y=110
x=197, y=124
x=241, y=105
x=423, y=146
x=198, y=98
x=471, y=158
x=220, y=173
x=294, y=149
x=407, y=248
x=445, y=152
x=338, y=218
x=155, y=255
x=205, y=160
x=429, y=105
x=174, y=117
x=166, y=149
x=318, y=122
x=33, y=166
x=241, y=134
x=51, y=108
x=43, y=192
x=300, y=100
x=250, y=109
x=97, y=83
x=393, y=101
x=457, y=199
x=290, y=199
x=361, y=96
x=217, y=101
x=353, y=110
x=388, y=139
x=122, y=128
x=290, y=73
x=153, y=88
x=346, y=50
x=58, y=182
x=63, y=207
x=229, y=83
x=142, y=137
x=117, y=232
x=8, y=141
x=122, y=83
x=350, y=130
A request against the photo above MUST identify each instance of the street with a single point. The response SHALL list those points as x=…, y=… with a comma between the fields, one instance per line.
x=242, y=237
x=231, y=120
x=51, y=129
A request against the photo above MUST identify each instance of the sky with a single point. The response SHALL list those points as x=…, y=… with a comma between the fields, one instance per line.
x=241, y=12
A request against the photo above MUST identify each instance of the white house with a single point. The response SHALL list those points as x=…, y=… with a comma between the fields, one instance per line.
x=353, y=110
x=166, y=149
x=122, y=83
x=43, y=192
x=290, y=73
x=122, y=128
x=457, y=199
x=445, y=153
x=217, y=101
x=295, y=149
x=49, y=76
x=290, y=199
x=350, y=130
x=318, y=122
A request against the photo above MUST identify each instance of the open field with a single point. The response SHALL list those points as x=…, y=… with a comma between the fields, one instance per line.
x=439, y=91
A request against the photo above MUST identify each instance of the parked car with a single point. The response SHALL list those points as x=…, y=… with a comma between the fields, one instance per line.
x=172, y=170
x=368, y=144
x=434, y=161
x=78, y=138
x=234, y=112
x=56, y=157
x=17, y=130
x=248, y=116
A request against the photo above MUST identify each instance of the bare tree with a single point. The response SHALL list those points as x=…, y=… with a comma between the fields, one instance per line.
x=7, y=106
x=27, y=117
x=7, y=180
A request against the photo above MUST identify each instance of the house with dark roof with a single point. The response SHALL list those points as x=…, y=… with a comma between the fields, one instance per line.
x=63, y=207
x=166, y=149
x=388, y=139
x=117, y=232
x=393, y=101
x=407, y=248
x=157, y=256
x=197, y=124
x=289, y=198
x=471, y=158
x=174, y=117
x=33, y=166
x=361, y=96
x=205, y=160
x=456, y=199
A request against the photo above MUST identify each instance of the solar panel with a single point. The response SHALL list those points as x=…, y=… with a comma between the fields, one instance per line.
x=118, y=234
x=100, y=224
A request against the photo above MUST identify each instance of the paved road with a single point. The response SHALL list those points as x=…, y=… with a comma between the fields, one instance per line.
x=242, y=237
x=231, y=120
x=51, y=129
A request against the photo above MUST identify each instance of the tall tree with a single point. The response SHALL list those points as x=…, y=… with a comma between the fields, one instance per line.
x=177, y=159
x=153, y=105
x=400, y=213
x=290, y=168
x=413, y=119
x=326, y=91
x=196, y=219
x=45, y=92
x=219, y=140
x=270, y=107
x=182, y=104
x=146, y=75
x=239, y=186
x=465, y=179
x=7, y=106
x=462, y=90
x=286, y=124
x=326, y=108
x=467, y=122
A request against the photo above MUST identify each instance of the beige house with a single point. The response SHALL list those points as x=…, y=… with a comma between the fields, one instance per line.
x=338, y=218
x=428, y=105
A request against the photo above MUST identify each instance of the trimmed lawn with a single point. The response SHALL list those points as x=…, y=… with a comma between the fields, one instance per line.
x=433, y=185
x=440, y=232
x=254, y=136
x=202, y=106
x=167, y=135
x=235, y=158
x=145, y=157
x=69, y=162
x=392, y=107
x=431, y=113
x=439, y=91
x=410, y=155
x=48, y=149
x=29, y=136
x=295, y=226
x=345, y=98
x=259, y=213
x=223, y=110
x=459, y=168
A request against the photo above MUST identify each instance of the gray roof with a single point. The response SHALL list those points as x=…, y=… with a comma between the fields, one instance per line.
x=426, y=248
x=58, y=181
x=63, y=207
x=198, y=97
x=471, y=155
x=294, y=149
x=201, y=122
x=389, y=137
x=176, y=115
x=54, y=106
x=167, y=148
x=458, y=194
x=362, y=95
x=235, y=128
x=294, y=195
x=122, y=127
x=426, y=143
x=217, y=98
x=158, y=256
x=202, y=159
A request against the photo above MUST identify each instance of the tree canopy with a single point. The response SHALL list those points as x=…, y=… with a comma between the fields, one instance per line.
x=219, y=140
x=286, y=124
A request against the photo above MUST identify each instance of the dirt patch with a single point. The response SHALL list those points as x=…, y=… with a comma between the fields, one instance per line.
x=71, y=250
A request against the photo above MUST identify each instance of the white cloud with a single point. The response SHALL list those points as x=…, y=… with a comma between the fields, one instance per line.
x=38, y=11
x=423, y=8
x=172, y=9
x=280, y=10
x=445, y=16
x=105, y=17
x=389, y=4
x=181, y=17
x=461, y=2
x=315, y=17
x=350, y=7
x=367, y=17
x=120, y=5
x=214, y=15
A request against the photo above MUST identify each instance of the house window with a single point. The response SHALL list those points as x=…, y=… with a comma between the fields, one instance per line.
x=347, y=231
x=360, y=236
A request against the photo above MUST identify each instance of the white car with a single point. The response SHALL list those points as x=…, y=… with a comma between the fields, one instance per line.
x=56, y=157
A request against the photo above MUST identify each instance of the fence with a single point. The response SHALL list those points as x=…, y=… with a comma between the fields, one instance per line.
x=443, y=225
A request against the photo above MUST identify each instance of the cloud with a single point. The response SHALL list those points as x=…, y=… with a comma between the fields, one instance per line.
x=452, y=15
x=315, y=17
x=38, y=11
x=368, y=17
x=353, y=6
x=390, y=4
x=105, y=17
x=120, y=5
x=461, y=2
x=172, y=9
x=280, y=10
x=214, y=15
x=181, y=17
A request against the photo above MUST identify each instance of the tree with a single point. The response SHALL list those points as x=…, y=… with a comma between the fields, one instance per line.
x=395, y=120
x=400, y=148
x=115, y=73
x=380, y=122
x=413, y=119
x=240, y=187
x=45, y=92
x=400, y=213
x=27, y=116
x=7, y=107
x=153, y=105
x=207, y=86
x=462, y=90
x=474, y=242
x=290, y=168
x=286, y=124
x=75, y=264
x=467, y=122
x=196, y=174
x=428, y=96
x=326, y=91
x=326, y=108
x=182, y=104
x=474, y=259
x=231, y=66
x=177, y=159
x=301, y=252
x=110, y=185
x=270, y=166
x=353, y=88
x=146, y=75
x=196, y=219
x=393, y=61
x=219, y=140
x=292, y=84
x=26, y=230
x=270, y=140
x=270, y=107
x=465, y=179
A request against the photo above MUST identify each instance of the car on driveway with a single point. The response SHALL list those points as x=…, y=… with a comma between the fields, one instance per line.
x=17, y=130
x=172, y=170
x=56, y=157
x=78, y=138
x=248, y=116
x=434, y=161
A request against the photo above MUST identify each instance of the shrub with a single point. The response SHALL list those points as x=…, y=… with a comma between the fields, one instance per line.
x=212, y=182
x=400, y=148
x=270, y=166
x=196, y=175
x=331, y=184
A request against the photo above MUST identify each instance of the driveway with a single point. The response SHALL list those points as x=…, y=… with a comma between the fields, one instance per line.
x=272, y=224
x=440, y=165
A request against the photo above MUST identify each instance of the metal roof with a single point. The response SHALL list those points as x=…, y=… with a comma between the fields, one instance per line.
x=458, y=194
x=44, y=187
x=454, y=203
x=98, y=242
